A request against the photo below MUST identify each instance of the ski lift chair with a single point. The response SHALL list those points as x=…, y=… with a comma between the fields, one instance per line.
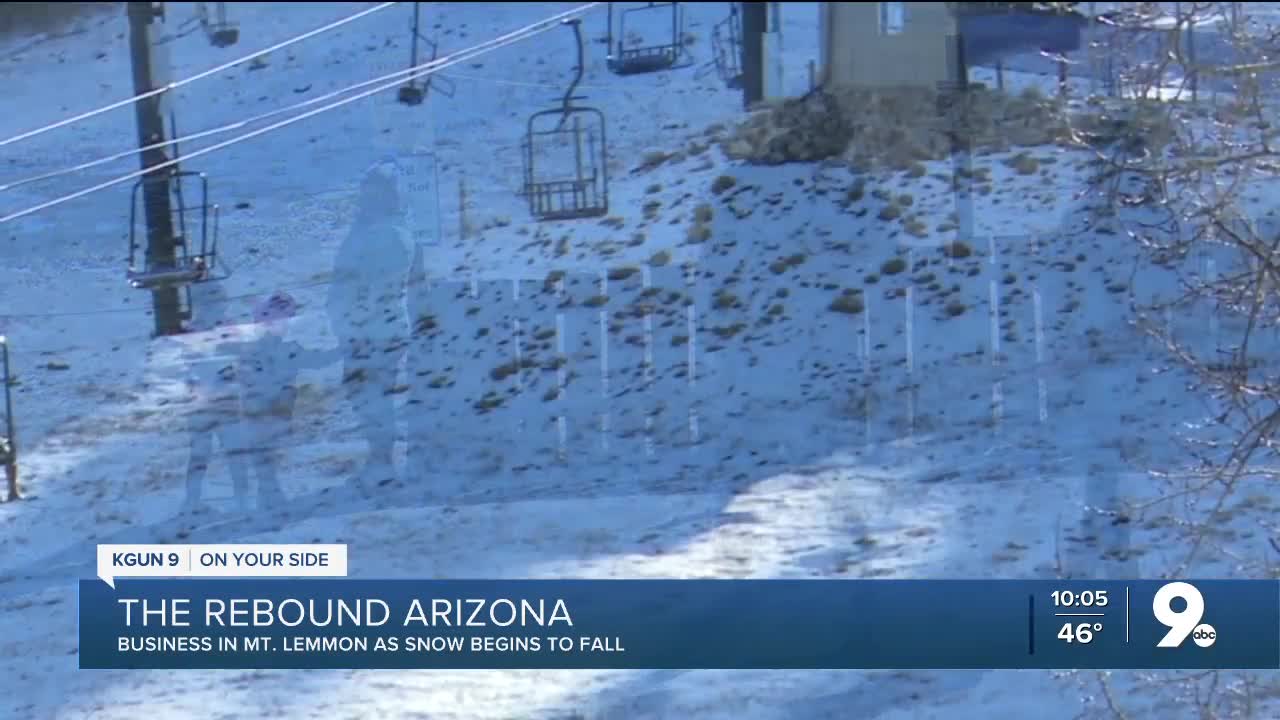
x=582, y=191
x=726, y=46
x=220, y=31
x=411, y=93
x=645, y=58
x=8, y=438
x=414, y=91
x=195, y=258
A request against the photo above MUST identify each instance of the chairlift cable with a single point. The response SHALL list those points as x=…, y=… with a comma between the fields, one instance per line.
x=528, y=31
x=239, y=124
x=517, y=83
x=416, y=72
x=302, y=285
x=200, y=76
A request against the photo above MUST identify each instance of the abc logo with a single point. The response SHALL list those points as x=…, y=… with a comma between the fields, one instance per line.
x=1204, y=635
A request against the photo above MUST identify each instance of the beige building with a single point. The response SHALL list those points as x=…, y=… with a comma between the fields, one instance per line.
x=886, y=44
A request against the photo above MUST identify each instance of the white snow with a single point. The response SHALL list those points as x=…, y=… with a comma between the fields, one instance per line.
x=899, y=441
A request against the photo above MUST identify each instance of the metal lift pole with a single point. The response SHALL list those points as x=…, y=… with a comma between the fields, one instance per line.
x=608, y=36
x=161, y=243
x=755, y=22
x=961, y=139
x=413, y=52
x=8, y=434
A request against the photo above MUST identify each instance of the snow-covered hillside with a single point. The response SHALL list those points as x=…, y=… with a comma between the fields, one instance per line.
x=739, y=372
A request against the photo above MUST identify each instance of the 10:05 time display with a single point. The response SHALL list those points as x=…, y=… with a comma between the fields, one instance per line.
x=1084, y=598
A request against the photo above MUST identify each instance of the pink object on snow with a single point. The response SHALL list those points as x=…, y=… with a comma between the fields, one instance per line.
x=280, y=306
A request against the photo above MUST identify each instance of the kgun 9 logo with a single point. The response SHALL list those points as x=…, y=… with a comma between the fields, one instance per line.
x=1182, y=623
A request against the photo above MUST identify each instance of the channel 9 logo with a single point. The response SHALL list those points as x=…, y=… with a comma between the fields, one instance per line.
x=1184, y=623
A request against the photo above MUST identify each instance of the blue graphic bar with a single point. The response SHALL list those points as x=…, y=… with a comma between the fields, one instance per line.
x=674, y=624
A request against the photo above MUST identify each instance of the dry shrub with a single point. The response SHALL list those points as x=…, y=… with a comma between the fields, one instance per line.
x=895, y=128
x=1151, y=123
x=808, y=129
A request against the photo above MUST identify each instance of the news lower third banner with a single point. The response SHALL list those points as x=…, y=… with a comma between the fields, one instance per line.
x=677, y=624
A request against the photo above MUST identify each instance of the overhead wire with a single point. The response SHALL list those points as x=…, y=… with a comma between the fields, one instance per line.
x=416, y=71
x=186, y=138
x=422, y=70
x=518, y=83
x=411, y=73
x=301, y=285
x=200, y=76
x=239, y=124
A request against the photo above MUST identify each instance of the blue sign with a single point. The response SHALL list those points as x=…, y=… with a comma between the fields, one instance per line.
x=420, y=175
x=671, y=624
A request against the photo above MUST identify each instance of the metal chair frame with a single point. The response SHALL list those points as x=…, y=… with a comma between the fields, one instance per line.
x=189, y=267
x=647, y=58
x=584, y=195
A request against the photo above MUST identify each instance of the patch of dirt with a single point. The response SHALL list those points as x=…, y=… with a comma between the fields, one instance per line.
x=31, y=18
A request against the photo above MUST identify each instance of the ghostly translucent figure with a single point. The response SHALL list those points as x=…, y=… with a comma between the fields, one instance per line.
x=367, y=313
x=210, y=366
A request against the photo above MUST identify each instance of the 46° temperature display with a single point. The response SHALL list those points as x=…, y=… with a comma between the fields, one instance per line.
x=1079, y=632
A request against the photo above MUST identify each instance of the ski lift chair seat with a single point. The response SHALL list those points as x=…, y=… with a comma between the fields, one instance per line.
x=224, y=36
x=643, y=60
x=191, y=270
x=566, y=199
x=220, y=31
x=650, y=57
x=411, y=94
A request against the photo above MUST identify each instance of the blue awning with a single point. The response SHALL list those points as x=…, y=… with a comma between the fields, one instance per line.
x=991, y=36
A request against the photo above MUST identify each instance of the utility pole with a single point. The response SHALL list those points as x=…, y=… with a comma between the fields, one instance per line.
x=755, y=22
x=8, y=435
x=411, y=93
x=954, y=99
x=161, y=244
x=1191, y=52
x=771, y=60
